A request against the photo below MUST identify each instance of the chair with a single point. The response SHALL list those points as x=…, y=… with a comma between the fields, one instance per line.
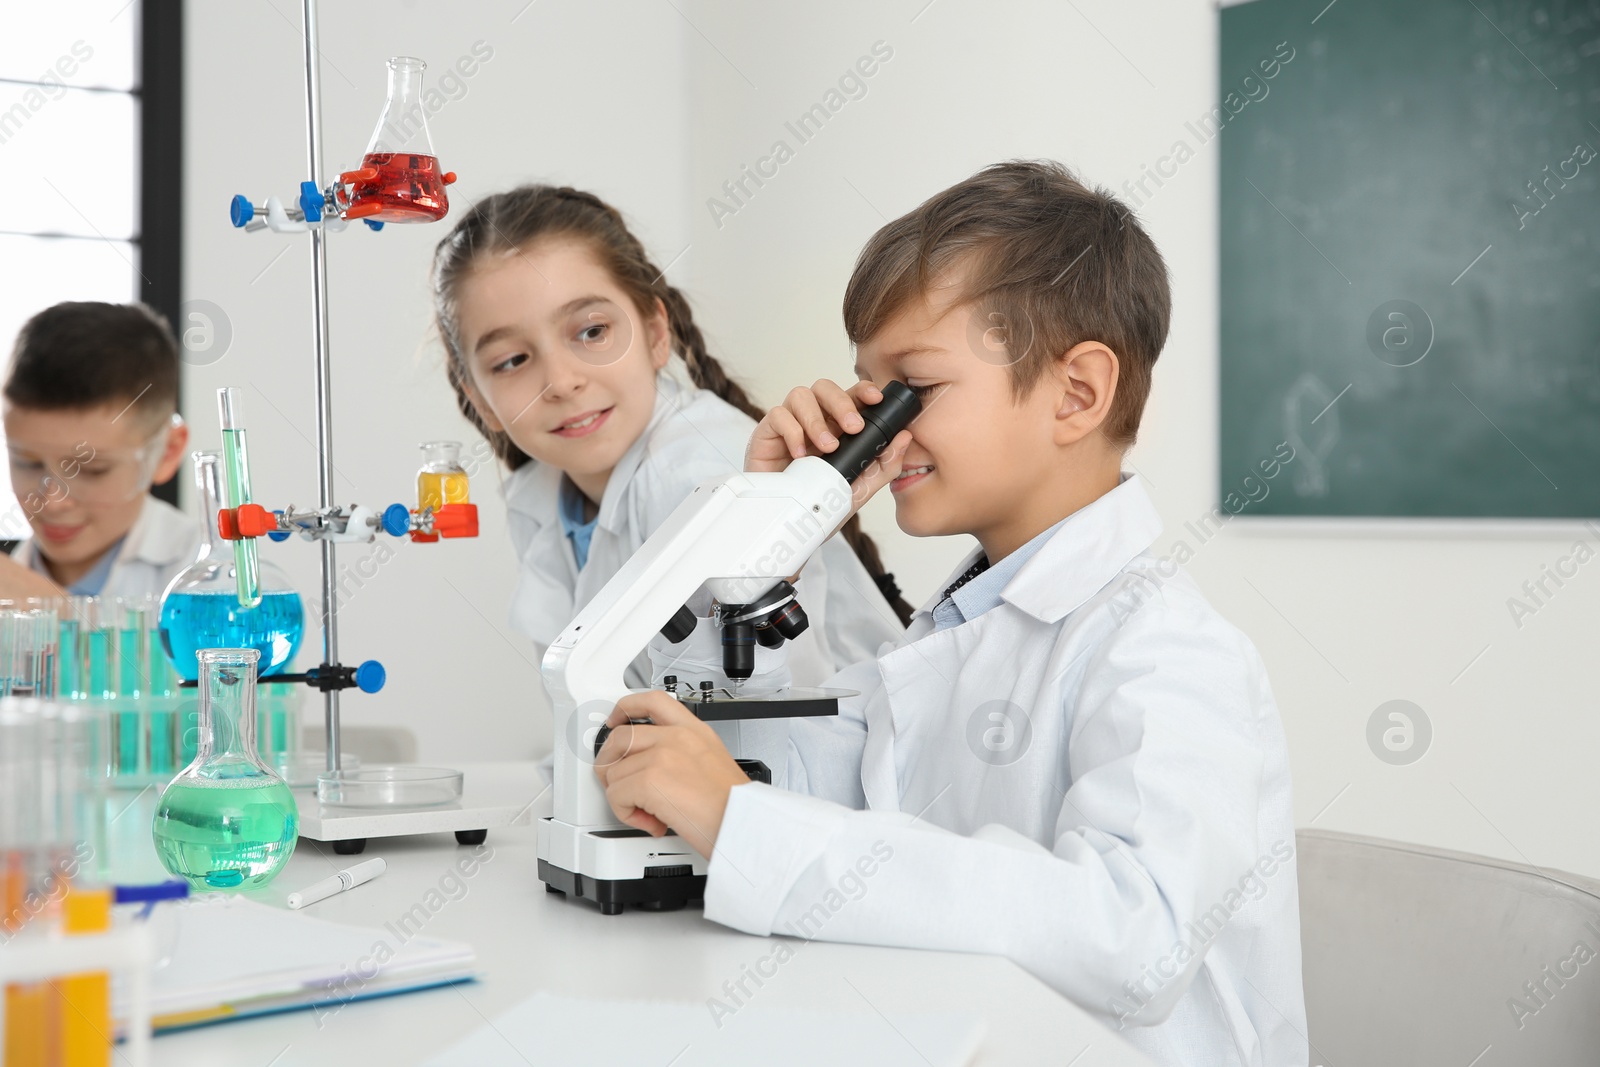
x=1417, y=957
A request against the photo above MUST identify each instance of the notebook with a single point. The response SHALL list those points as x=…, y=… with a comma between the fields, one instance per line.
x=232, y=958
x=578, y=1032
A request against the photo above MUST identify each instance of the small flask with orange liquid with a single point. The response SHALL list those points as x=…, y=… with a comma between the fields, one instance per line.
x=442, y=480
x=399, y=179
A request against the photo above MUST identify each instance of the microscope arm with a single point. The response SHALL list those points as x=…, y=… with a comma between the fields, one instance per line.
x=736, y=536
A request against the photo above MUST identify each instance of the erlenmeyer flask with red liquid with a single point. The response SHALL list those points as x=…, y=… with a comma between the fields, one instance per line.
x=399, y=179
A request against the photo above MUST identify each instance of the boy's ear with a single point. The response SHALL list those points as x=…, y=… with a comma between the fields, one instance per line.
x=658, y=330
x=1086, y=383
x=172, y=454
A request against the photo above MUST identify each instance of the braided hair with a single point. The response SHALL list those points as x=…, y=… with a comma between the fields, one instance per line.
x=507, y=221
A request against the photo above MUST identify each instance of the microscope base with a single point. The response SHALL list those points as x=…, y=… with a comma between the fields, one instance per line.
x=616, y=865
x=651, y=894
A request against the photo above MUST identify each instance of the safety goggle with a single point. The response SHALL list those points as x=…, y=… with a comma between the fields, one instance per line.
x=94, y=477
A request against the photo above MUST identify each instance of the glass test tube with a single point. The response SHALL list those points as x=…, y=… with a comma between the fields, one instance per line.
x=236, y=460
x=162, y=696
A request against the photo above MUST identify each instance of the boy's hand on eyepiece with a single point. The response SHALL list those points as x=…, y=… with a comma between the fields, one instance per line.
x=809, y=424
x=670, y=772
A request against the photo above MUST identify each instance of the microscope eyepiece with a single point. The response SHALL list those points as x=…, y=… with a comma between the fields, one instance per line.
x=883, y=420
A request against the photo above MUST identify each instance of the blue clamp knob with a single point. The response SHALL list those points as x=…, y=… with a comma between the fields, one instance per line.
x=278, y=535
x=241, y=211
x=373, y=224
x=370, y=676
x=311, y=201
x=396, y=520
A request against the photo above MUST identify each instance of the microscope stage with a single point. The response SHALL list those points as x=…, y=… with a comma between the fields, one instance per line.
x=727, y=703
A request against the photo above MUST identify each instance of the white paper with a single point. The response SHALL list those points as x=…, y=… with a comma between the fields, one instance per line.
x=578, y=1032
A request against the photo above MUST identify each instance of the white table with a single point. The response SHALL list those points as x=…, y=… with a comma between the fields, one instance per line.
x=528, y=940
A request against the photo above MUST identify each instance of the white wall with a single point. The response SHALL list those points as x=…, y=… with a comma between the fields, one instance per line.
x=655, y=110
x=547, y=106
x=1344, y=622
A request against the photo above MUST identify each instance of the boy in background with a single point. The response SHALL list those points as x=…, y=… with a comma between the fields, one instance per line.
x=90, y=410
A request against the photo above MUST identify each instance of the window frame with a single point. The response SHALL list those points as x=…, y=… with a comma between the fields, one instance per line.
x=161, y=200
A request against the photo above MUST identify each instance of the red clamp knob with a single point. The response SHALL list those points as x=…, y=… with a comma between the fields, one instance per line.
x=255, y=521
x=246, y=520
x=456, y=520
x=449, y=177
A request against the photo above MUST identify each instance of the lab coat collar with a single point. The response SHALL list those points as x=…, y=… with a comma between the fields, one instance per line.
x=1091, y=548
x=159, y=536
x=672, y=395
x=534, y=489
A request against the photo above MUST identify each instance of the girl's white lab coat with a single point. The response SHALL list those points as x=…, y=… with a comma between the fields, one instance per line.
x=160, y=543
x=693, y=435
x=1089, y=778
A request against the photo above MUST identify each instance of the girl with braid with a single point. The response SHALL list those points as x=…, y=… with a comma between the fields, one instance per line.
x=586, y=372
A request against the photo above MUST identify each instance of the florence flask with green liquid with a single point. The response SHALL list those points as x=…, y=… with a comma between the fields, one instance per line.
x=226, y=821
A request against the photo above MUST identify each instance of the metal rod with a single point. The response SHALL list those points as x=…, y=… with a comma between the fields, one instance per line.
x=319, y=290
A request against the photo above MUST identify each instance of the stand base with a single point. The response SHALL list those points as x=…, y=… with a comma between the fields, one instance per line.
x=355, y=846
x=497, y=795
x=657, y=893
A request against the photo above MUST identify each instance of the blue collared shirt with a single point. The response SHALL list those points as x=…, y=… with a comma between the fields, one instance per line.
x=94, y=581
x=578, y=532
x=983, y=592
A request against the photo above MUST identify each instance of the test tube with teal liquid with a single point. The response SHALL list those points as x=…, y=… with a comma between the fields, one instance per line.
x=99, y=672
x=133, y=672
x=72, y=681
x=161, y=695
x=236, y=463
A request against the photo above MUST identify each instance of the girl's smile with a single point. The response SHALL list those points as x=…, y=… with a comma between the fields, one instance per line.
x=585, y=424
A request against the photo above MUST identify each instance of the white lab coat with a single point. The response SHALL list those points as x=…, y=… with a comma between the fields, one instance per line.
x=693, y=435
x=1132, y=797
x=160, y=543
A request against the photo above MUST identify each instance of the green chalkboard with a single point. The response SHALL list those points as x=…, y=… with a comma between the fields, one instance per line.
x=1410, y=243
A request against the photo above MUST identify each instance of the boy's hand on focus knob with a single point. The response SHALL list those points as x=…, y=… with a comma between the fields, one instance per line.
x=670, y=772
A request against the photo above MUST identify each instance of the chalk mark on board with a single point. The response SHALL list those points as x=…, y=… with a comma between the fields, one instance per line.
x=1332, y=402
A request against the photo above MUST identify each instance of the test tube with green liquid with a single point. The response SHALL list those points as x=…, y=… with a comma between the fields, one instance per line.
x=236, y=464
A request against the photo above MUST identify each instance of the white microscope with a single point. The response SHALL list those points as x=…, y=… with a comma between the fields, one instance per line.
x=739, y=537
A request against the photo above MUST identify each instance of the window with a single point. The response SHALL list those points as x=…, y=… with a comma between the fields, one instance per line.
x=91, y=140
